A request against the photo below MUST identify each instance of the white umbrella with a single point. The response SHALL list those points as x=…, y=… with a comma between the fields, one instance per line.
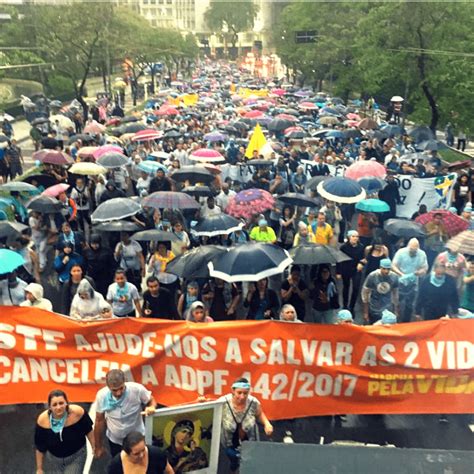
x=64, y=122
x=397, y=98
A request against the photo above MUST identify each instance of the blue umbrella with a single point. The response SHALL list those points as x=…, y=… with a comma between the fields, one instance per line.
x=342, y=190
x=392, y=129
x=335, y=134
x=9, y=261
x=151, y=167
x=372, y=185
x=372, y=205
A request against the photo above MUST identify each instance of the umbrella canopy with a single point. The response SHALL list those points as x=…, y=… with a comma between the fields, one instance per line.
x=64, y=122
x=160, y=155
x=452, y=222
x=372, y=205
x=9, y=261
x=328, y=120
x=396, y=98
x=112, y=160
x=206, y=155
x=193, y=264
x=215, y=136
x=146, y=135
x=200, y=191
x=133, y=128
x=56, y=190
x=87, y=151
x=19, y=186
x=365, y=169
x=81, y=136
x=115, y=209
x=151, y=167
x=368, y=124
x=307, y=106
x=317, y=254
x=421, y=134
x=53, y=157
x=116, y=226
x=278, y=125
x=220, y=224
x=170, y=200
x=430, y=145
x=372, y=185
x=404, y=228
x=298, y=199
x=11, y=229
x=250, y=201
x=155, y=236
x=250, y=263
x=104, y=149
x=463, y=243
x=392, y=129
x=94, y=128
x=44, y=204
x=44, y=180
x=193, y=174
x=87, y=169
x=342, y=190
x=335, y=134
x=312, y=184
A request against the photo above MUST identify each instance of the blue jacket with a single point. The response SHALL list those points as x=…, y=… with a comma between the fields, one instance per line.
x=64, y=269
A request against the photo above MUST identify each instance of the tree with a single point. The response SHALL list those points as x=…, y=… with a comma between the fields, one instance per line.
x=235, y=17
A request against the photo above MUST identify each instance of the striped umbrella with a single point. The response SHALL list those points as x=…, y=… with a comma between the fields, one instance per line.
x=463, y=243
x=146, y=135
x=206, y=155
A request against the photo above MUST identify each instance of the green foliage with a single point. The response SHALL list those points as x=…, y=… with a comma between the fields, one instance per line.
x=419, y=50
x=235, y=17
x=58, y=85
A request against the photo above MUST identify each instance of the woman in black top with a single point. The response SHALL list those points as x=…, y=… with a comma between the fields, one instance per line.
x=69, y=289
x=62, y=431
x=262, y=301
x=136, y=456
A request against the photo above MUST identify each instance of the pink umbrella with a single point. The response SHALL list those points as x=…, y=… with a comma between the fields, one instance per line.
x=351, y=123
x=365, y=169
x=166, y=110
x=94, y=128
x=290, y=118
x=206, y=155
x=53, y=157
x=250, y=201
x=278, y=92
x=353, y=116
x=102, y=150
x=87, y=151
x=293, y=129
x=147, y=134
x=307, y=106
x=56, y=190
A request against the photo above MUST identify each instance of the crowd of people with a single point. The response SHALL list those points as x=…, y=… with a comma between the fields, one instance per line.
x=103, y=271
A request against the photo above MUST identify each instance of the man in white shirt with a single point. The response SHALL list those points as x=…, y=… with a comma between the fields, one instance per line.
x=210, y=208
x=119, y=409
x=224, y=196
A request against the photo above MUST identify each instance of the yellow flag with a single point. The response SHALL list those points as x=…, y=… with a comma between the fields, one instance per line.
x=257, y=141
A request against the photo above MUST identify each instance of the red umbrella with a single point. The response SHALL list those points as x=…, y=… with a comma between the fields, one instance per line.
x=452, y=222
x=94, y=128
x=254, y=114
x=365, y=169
x=293, y=129
x=307, y=106
x=102, y=150
x=278, y=92
x=166, y=110
x=206, y=155
x=147, y=134
x=53, y=157
x=250, y=201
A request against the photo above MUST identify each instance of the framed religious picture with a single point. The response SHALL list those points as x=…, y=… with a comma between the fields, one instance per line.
x=189, y=434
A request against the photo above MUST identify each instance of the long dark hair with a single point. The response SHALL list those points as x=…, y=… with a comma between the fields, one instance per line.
x=57, y=393
x=131, y=440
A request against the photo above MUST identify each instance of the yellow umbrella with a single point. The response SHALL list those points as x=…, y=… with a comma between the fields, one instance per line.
x=64, y=122
x=112, y=139
x=257, y=141
x=85, y=168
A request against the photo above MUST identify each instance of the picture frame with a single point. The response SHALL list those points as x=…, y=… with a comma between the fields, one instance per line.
x=189, y=434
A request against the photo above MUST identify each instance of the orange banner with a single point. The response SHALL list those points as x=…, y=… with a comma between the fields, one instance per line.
x=296, y=370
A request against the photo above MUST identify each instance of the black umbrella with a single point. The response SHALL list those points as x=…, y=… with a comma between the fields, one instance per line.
x=298, y=199
x=115, y=209
x=134, y=128
x=193, y=264
x=352, y=133
x=260, y=163
x=278, y=125
x=312, y=183
x=240, y=125
x=172, y=134
x=317, y=254
x=39, y=120
x=85, y=138
x=404, y=228
x=44, y=204
x=11, y=229
x=430, y=145
x=112, y=160
x=200, y=191
x=155, y=236
x=193, y=174
x=19, y=186
x=117, y=226
x=220, y=224
x=129, y=118
x=250, y=263
x=44, y=180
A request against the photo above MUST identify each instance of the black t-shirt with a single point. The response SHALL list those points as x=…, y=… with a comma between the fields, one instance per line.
x=295, y=299
x=73, y=438
x=156, y=462
x=162, y=306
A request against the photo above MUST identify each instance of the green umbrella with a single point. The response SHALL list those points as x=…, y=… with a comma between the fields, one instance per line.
x=372, y=205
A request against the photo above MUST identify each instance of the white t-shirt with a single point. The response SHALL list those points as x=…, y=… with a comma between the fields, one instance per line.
x=223, y=199
x=36, y=235
x=127, y=417
x=122, y=304
x=129, y=258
